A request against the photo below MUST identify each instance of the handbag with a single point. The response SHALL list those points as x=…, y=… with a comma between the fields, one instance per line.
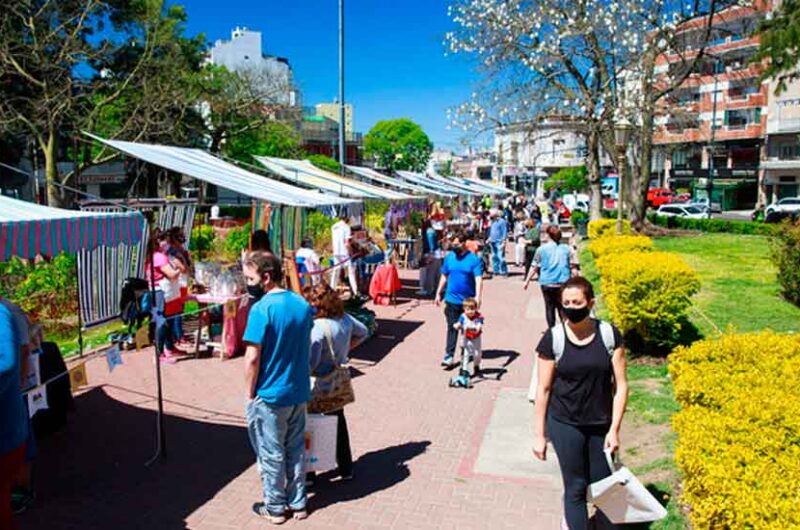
x=622, y=498
x=331, y=392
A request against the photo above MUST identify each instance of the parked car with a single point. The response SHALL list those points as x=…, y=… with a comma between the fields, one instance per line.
x=682, y=210
x=780, y=216
x=786, y=205
x=659, y=196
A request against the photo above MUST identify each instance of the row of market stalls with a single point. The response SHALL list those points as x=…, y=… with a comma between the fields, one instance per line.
x=281, y=196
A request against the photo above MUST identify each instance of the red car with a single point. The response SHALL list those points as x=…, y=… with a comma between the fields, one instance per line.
x=659, y=196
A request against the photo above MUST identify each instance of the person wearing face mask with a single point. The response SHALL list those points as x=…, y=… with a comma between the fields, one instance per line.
x=580, y=399
x=277, y=360
x=461, y=278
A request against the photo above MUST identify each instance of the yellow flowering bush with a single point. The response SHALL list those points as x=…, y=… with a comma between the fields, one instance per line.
x=647, y=292
x=607, y=227
x=739, y=430
x=617, y=244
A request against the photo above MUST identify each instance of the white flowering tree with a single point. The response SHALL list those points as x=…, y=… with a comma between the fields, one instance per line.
x=592, y=60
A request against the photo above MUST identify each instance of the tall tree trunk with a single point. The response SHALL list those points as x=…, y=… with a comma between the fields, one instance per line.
x=50, y=152
x=593, y=173
x=640, y=182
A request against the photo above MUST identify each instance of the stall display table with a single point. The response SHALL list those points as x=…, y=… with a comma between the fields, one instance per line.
x=234, y=320
x=403, y=251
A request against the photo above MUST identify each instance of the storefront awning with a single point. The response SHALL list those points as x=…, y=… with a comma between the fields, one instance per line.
x=204, y=166
x=304, y=173
x=28, y=229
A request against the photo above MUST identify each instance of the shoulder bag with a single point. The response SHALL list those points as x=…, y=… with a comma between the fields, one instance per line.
x=331, y=392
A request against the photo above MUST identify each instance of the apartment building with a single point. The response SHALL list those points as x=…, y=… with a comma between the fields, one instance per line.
x=711, y=131
x=528, y=153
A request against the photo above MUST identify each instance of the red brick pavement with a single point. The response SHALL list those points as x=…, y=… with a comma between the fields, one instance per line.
x=414, y=439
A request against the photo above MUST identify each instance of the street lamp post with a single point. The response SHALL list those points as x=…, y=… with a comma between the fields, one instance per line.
x=622, y=134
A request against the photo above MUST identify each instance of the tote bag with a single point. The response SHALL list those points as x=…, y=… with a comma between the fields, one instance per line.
x=320, y=440
x=623, y=499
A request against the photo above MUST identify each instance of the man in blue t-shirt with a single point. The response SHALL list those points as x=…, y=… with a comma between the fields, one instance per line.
x=277, y=386
x=498, y=235
x=553, y=263
x=13, y=419
x=462, y=273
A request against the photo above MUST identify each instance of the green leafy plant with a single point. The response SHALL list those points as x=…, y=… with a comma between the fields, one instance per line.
x=786, y=254
x=568, y=179
x=728, y=226
x=237, y=240
x=398, y=144
x=325, y=162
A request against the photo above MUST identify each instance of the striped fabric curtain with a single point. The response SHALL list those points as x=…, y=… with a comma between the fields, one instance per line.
x=101, y=271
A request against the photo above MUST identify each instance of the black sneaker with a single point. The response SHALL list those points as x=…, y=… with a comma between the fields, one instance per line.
x=476, y=371
x=260, y=509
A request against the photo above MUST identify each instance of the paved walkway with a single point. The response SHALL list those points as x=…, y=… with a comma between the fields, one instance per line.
x=427, y=456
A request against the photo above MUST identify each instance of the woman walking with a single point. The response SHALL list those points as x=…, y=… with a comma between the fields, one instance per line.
x=581, y=397
x=333, y=335
x=553, y=264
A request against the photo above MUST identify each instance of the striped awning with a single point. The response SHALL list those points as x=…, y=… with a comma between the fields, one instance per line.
x=27, y=229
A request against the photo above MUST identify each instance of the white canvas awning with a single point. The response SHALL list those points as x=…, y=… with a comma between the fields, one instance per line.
x=305, y=173
x=201, y=165
x=477, y=186
x=436, y=186
x=375, y=176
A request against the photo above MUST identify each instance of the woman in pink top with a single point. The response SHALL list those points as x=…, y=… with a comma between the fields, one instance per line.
x=165, y=275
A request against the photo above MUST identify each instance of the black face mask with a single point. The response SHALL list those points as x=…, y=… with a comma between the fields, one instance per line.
x=576, y=314
x=255, y=291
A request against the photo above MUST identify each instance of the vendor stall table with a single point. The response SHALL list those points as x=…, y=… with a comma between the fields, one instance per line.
x=234, y=320
x=403, y=251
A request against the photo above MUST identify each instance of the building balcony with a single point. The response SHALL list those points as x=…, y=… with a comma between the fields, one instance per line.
x=778, y=125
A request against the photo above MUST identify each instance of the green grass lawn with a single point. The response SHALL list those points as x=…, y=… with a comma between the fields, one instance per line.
x=739, y=290
x=739, y=284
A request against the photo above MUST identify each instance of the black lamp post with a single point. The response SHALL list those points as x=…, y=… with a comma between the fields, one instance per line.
x=622, y=134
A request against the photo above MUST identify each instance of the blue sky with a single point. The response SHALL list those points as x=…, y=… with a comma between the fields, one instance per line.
x=394, y=57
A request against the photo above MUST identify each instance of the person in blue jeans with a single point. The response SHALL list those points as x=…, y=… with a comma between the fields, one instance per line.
x=461, y=278
x=498, y=235
x=278, y=337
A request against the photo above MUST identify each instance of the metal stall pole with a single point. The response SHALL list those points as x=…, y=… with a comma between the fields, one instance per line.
x=161, y=441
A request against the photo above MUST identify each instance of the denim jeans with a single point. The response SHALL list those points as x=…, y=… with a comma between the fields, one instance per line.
x=277, y=435
x=451, y=313
x=164, y=331
x=499, y=265
x=177, y=327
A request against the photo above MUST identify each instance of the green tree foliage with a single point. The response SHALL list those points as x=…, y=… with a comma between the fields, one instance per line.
x=270, y=139
x=112, y=66
x=568, y=179
x=398, y=144
x=778, y=42
x=325, y=162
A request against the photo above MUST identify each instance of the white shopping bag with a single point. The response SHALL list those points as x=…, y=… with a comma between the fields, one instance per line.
x=320, y=442
x=623, y=499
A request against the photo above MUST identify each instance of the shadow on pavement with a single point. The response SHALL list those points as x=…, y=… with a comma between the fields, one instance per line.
x=374, y=472
x=510, y=356
x=390, y=334
x=91, y=474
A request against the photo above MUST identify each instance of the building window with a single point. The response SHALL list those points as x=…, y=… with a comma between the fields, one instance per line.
x=742, y=92
x=741, y=118
x=515, y=153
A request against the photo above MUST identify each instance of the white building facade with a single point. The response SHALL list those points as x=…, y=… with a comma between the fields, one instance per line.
x=244, y=54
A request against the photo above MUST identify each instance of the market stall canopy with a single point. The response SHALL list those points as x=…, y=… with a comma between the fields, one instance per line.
x=28, y=229
x=375, y=176
x=465, y=188
x=435, y=186
x=476, y=186
x=204, y=166
x=307, y=174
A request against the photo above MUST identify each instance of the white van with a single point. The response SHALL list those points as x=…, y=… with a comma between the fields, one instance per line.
x=576, y=202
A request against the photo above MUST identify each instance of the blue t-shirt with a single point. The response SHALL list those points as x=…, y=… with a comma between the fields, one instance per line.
x=281, y=323
x=13, y=419
x=553, y=263
x=498, y=232
x=461, y=273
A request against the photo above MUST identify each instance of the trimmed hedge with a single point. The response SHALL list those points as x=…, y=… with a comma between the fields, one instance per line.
x=713, y=225
x=607, y=227
x=614, y=245
x=648, y=292
x=786, y=253
x=739, y=430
